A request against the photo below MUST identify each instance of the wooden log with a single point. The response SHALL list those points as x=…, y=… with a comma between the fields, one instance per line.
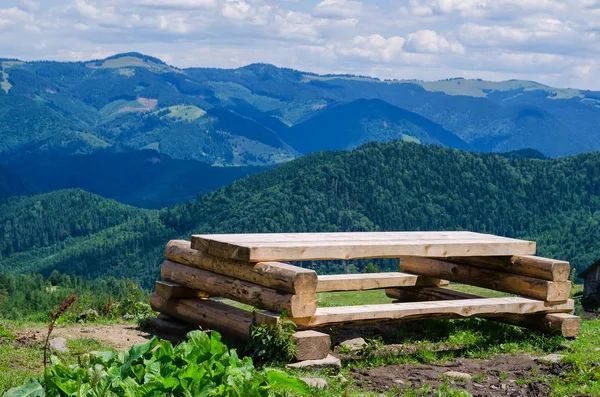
x=327, y=316
x=361, y=282
x=300, y=305
x=210, y=315
x=174, y=328
x=169, y=290
x=268, y=318
x=522, y=285
x=423, y=294
x=564, y=324
x=567, y=325
x=311, y=345
x=331, y=246
x=280, y=276
x=532, y=266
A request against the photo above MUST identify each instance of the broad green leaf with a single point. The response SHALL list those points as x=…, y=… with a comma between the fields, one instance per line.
x=130, y=387
x=138, y=370
x=31, y=388
x=152, y=370
x=106, y=356
x=216, y=346
x=280, y=380
x=170, y=383
x=199, y=340
x=95, y=374
x=102, y=388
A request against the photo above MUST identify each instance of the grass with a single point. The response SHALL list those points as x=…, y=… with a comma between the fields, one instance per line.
x=187, y=113
x=373, y=297
x=129, y=62
x=584, y=377
x=4, y=83
x=446, y=340
x=424, y=342
x=331, y=299
x=21, y=357
x=475, y=339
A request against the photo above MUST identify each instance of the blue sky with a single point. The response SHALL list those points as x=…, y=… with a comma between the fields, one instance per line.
x=551, y=41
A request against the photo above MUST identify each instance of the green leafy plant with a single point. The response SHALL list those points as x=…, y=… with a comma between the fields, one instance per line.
x=272, y=343
x=372, y=347
x=201, y=366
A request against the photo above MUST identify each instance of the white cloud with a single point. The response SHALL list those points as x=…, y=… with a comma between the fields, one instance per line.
x=493, y=36
x=105, y=15
x=374, y=46
x=294, y=25
x=339, y=9
x=178, y=4
x=494, y=9
x=430, y=41
x=555, y=41
x=12, y=16
x=29, y=5
x=236, y=9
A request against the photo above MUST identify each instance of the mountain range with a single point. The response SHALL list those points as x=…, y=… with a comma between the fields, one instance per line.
x=263, y=115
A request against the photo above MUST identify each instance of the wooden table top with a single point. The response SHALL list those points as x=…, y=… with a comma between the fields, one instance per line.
x=357, y=245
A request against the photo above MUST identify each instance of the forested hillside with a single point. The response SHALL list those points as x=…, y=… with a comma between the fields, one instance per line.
x=349, y=125
x=393, y=186
x=49, y=219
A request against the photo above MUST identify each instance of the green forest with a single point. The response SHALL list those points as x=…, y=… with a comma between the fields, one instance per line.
x=386, y=187
x=27, y=297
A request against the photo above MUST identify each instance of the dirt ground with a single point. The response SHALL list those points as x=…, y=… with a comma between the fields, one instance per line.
x=512, y=376
x=118, y=336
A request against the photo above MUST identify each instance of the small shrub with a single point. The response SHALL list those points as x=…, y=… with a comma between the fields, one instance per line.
x=272, y=343
x=372, y=347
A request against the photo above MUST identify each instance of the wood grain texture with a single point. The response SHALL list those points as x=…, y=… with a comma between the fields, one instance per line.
x=423, y=294
x=206, y=313
x=361, y=282
x=430, y=310
x=331, y=246
x=564, y=324
x=280, y=276
x=531, y=266
x=170, y=290
x=311, y=345
x=241, y=291
x=521, y=285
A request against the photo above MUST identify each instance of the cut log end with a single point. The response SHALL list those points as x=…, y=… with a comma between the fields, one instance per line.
x=170, y=290
x=311, y=345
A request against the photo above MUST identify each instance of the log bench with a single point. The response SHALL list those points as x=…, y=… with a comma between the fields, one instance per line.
x=251, y=269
